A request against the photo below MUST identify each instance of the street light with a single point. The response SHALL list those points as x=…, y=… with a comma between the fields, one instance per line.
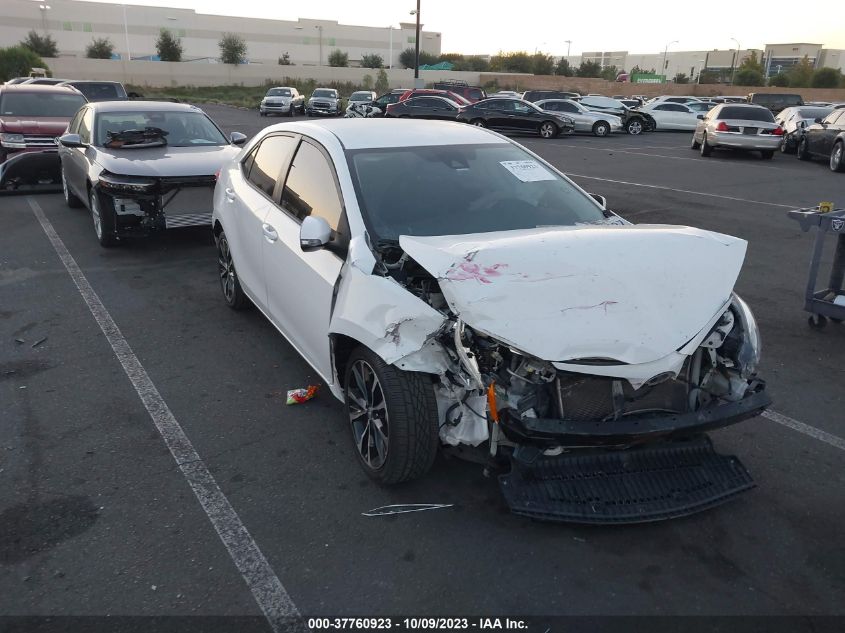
x=417, y=47
x=735, y=60
x=126, y=35
x=390, y=58
x=701, y=68
x=44, y=8
x=319, y=27
x=666, y=50
x=568, y=46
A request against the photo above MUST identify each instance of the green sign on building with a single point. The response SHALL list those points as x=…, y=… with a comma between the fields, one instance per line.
x=648, y=78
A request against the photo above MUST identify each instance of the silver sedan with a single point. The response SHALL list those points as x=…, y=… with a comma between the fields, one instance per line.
x=737, y=126
x=598, y=123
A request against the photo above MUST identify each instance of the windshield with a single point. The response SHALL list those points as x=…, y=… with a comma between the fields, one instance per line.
x=184, y=129
x=99, y=91
x=278, y=92
x=325, y=94
x=813, y=113
x=38, y=104
x=747, y=114
x=460, y=189
x=361, y=96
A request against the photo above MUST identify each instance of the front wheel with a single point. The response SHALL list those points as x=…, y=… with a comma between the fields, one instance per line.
x=70, y=200
x=601, y=128
x=393, y=418
x=103, y=217
x=477, y=123
x=837, y=157
x=634, y=127
x=706, y=148
x=229, y=282
x=548, y=130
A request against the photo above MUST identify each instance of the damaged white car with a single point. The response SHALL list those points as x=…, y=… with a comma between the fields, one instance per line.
x=455, y=290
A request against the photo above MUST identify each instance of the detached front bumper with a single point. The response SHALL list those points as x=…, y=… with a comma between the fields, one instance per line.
x=30, y=170
x=634, y=429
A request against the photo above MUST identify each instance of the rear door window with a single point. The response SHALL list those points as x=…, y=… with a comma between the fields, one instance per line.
x=310, y=188
x=269, y=161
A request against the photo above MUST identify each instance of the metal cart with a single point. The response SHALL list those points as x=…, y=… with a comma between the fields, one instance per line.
x=823, y=303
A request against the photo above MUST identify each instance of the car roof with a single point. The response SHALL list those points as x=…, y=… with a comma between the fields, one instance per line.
x=389, y=133
x=135, y=106
x=73, y=82
x=40, y=88
x=280, y=88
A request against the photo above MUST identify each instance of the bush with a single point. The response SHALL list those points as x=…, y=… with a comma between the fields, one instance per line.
x=748, y=77
x=41, y=45
x=367, y=82
x=18, y=61
x=232, y=49
x=372, y=60
x=780, y=80
x=338, y=58
x=99, y=48
x=168, y=47
x=382, y=84
x=681, y=78
x=542, y=64
x=563, y=68
x=406, y=58
x=826, y=78
x=589, y=69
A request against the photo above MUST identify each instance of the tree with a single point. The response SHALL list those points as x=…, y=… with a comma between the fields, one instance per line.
x=372, y=60
x=801, y=74
x=367, y=82
x=168, y=47
x=589, y=69
x=41, y=45
x=781, y=80
x=338, y=58
x=516, y=62
x=542, y=64
x=752, y=63
x=708, y=77
x=609, y=73
x=473, y=63
x=826, y=78
x=748, y=77
x=406, y=58
x=563, y=68
x=382, y=85
x=18, y=61
x=681, y=78
x=99, y=48
x=232, y=49
x=284, y=60
x=636, y=70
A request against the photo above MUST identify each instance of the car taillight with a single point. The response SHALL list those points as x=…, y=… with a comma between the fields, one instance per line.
x=217, y=174
x=722, y=127
x=778, y=131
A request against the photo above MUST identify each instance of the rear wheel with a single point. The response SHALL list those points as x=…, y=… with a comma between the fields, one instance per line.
x=229, y=283
x=803, y=152
x=393, y=418
x=767, y=154
x=601, y=128
x=694, y=144
x=837, y=157
x=548, y=130
x=478, y=123
x=70, y=199
x=634, y=126
x=706, y=148
x=103, y=218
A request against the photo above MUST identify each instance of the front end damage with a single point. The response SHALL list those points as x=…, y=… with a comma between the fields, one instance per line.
x=143, y=205
x=612, y=436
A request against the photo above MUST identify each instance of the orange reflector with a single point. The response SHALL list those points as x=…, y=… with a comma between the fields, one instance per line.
x=491, y=402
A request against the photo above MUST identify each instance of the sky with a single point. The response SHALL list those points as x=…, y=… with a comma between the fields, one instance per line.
x=474, y=27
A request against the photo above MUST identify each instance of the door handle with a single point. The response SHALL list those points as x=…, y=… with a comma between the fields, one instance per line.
x=230, y=194
x=269, y=233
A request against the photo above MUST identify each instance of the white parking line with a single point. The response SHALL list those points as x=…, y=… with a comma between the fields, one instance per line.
x=806, y=429
x=271, y=596
x=695, y=193
x=623, y=150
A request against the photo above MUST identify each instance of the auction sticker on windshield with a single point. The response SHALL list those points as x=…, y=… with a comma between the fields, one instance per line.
x=527, y=170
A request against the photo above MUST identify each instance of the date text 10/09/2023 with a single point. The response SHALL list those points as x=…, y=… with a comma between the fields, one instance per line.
x=419, y=624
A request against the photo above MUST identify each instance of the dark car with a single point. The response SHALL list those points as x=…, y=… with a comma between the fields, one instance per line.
x=425, y=107
x=99, y=90
x=825, y=139
x=515, y=115
x=775, y=101
x=419, y=92
x=543, y=95
x=462, y=88
x=31, y=117
x=142, y=167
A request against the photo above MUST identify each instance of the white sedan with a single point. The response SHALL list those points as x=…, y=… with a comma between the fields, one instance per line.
x=673, y=116
x=452, y=288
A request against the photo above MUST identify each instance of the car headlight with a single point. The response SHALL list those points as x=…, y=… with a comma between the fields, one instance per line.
x=748, y=349
x=114, y=183
x=12, y=141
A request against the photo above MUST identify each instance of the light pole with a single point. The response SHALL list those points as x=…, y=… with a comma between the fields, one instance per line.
x=417, y=47
x=126, y=35
x=44, y=8
x=319, y=27
x=390, y=58
x=735, y=60
x=568, y=46
x=703, y=65
x=666, y=50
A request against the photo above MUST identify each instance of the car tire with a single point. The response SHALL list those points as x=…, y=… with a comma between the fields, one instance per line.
x=290, y=112
x=103, y=217
x=70, y=199
x=837, y=157
x=767, y=154
x=477, y=123
x=395, y=410
x=230, y=285
x=601, y=128
x=694, y=144
x=260, y=113
x=802, y=153
x=706, y=148
x=634, y=127
x=548, y=130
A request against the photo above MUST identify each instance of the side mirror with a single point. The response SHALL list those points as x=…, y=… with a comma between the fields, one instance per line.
x=700, y=117
x=600, y=199
x=71, y=140
x=237, y=138
x=314, y=233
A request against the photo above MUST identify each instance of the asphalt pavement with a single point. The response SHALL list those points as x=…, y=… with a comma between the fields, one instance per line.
x=96, y=517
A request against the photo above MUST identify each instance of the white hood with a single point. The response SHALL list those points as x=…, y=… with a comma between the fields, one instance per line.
x=633, y=294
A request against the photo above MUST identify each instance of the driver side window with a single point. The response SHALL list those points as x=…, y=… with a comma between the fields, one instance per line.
x=310, y=187
x=85, y=126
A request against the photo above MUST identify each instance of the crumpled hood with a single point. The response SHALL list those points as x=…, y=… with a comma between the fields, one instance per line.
x=633, y=294
x=166, y=161
x=55, y=126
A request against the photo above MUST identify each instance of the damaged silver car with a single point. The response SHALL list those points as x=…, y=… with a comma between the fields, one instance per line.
x=456, y=291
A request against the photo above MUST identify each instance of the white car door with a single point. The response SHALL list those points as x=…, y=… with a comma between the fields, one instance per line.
x=663, y=116
x=685, y=118
x=300, y=285
x=249, y=197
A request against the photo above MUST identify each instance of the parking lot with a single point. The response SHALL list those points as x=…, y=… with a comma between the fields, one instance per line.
x=111, y=526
